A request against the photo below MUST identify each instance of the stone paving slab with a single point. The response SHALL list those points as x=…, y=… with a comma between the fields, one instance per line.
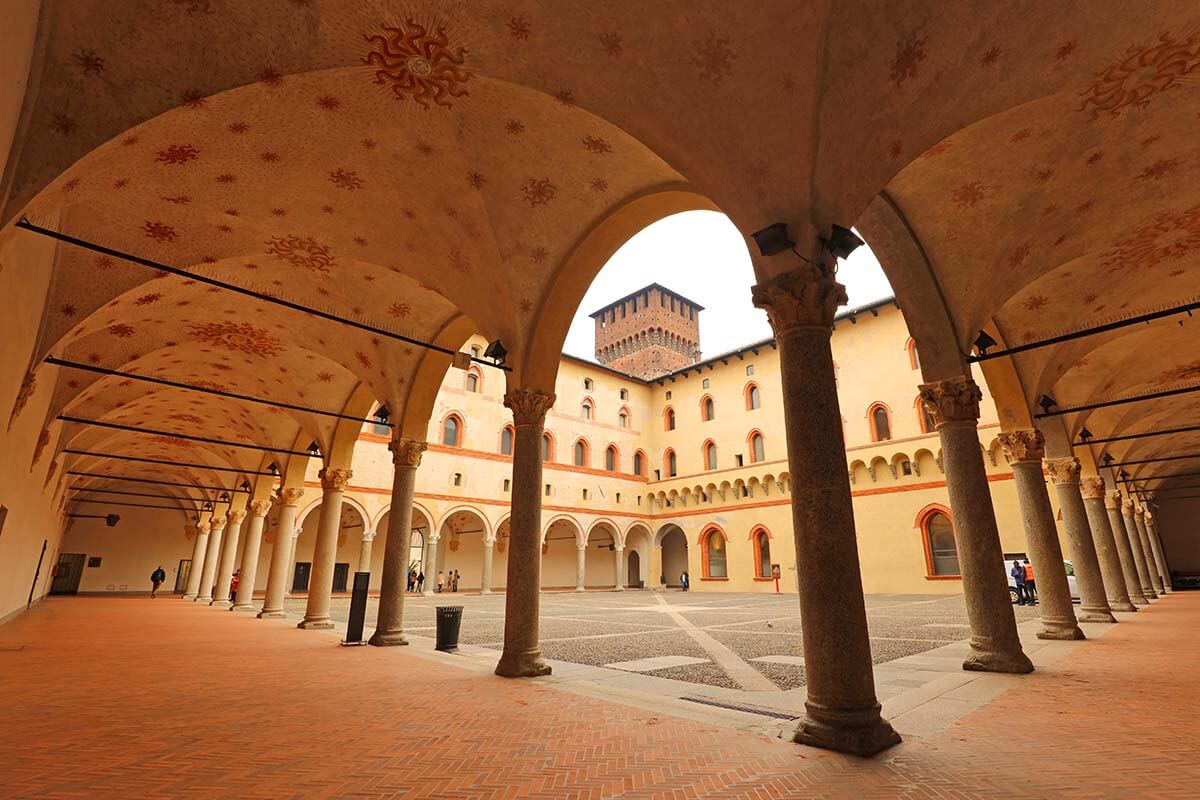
x=656, y=662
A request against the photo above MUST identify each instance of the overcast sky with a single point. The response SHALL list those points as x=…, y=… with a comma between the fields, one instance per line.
x=701, y=255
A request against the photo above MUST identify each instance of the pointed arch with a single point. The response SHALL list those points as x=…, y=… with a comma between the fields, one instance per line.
x=879, y=417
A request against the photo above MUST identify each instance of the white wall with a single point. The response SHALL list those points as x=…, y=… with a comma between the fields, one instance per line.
x=141, y=541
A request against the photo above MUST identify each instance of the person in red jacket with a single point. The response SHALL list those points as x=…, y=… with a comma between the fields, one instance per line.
x=1030, y=586
x=233, y=584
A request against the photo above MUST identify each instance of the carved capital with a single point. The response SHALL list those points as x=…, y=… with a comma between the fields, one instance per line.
x=1127, y=505
x=236, y=516
x=1027, y=444
x=39, y=448
x=28, y=387
x=807, y=296
x=1149, y=517
x=1113, y=500
x=335, y=479
x=218, y=524
x=204, y=526
x=259, y=508
x=954, y=400
x=289, y=496
x=529, y=406
x=1092, y=487
x=407, y=452
x=1063, y=471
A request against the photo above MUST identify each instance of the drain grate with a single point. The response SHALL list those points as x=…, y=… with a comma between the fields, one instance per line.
x=749, y=709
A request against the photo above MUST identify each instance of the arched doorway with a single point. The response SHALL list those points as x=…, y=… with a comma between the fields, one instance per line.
x=634, y=569
x=601, y=566
x=459, y=550
x=673, y=542
x=416, y=546
x=351, y=528
x=639, y=562
x=560, y=554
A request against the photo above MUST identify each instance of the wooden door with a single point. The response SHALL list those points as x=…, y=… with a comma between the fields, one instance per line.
x=67, y=573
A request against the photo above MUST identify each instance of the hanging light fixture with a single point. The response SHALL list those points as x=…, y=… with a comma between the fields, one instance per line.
x=842, y=242
x=983, y=342
x=773, y=239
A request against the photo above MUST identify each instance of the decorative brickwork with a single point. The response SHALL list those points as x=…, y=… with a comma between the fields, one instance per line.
x=648, y=333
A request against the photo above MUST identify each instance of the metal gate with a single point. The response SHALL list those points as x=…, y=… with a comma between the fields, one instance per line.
x=181, y=577
x=67, y=573
x=341, y=577
x=300, y=581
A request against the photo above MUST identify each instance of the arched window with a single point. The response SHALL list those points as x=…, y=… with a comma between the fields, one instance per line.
x=585, y=409
x=753, y=397
x=610, y=458
x=714, y=549
x=758, y=450
x=474, y=381
x=708, y=409
x=452, y=431
x=881, y=423
x=669, y=418
x=941, y=554
x=925, y=418
x=914, y=360
x=639, y=463
x=710, y=455
x=623, y=416
x=506, y=441
x=669, y=461
x=547, y=447
x=581, y=453
x=762, y=552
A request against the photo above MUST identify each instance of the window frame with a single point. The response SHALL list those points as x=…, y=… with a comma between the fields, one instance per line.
x=668, y=418
x=460, y=435
x=757, y=533
x=708, y=408
x=706, y=559
x=511, y=430
x=613, y=465
x=587, y=453
x=751, y=391
x=710, y=464
x=926, y=516
x=750, y=437
x=871, y=411
x=670, y=463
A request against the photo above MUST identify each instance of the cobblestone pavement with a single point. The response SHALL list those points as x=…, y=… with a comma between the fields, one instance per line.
x=748, y=635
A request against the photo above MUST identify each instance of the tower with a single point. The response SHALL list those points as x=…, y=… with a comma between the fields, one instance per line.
x=648, y=333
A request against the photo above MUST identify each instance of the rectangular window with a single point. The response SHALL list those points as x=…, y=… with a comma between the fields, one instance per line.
x=585, y=496
x=668, y=395
x=507, y=484
x=657, y=474
x=458, y=479
x=639, y=500
x=749, y=369
x=618, y=497
x=906, y=467
x=740, y=458
x=624, y=394
x=706, y=383
x=547, y=491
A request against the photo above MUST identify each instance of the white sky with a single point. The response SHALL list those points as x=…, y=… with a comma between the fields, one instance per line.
x=701, y=255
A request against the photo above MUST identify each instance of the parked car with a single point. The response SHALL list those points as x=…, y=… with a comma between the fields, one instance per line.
x=1067, y=565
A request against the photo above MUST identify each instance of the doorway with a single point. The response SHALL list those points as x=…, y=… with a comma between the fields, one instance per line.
x=341, y=577
x=300, y=579
x=634, y=574
x=182, y=575
x=67, y=573
x=674, y=556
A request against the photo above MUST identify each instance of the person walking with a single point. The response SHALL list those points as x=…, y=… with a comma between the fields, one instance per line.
x=421, y=581
x=683, y=580
x=410, y=581
x=1030, y=584
x=156, y=579
x=233, y=584
x=441, y=582
x=1018, y=575
x=456, y=579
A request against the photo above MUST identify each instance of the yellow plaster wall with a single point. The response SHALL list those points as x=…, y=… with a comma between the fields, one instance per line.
x=142, y=541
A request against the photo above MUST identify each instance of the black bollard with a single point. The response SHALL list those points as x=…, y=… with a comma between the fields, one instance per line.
x=358, y=609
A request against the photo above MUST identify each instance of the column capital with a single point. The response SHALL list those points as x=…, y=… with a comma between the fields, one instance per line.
x=289, y=496
x=236, y=516
x=1113, y=500
x=218, y=524
x=529, y=406
x=407, y=452
x=1127, y=505
x=953, y=400
x=1024, y=445
x=807, y=296
x=334, y=479
x=368, y=536
x=1063, y=471
x=259, y=508
x=1092, y=487
x=1149, y=516
x=581, y=545
x=204, y=526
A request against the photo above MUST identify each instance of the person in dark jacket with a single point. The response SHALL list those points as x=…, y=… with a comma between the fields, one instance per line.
x=157, y=578
x=1018, y=575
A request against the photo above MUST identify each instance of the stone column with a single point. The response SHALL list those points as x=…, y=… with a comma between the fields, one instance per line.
x=1139, y=521
x=1156, y=548
x=279, y=576
x=224, y=578
x=364, y=552
x=389, y=622
x=1112, y=506
x=619, y=553
x=199, y=551
x=1092, y=489
x=580, y=566
x=289, y=584
x=1139, y=555
x=654, y=568
x=522, y=655
x=428, y=557
x=842, y=712
x=954, y=406
x=1093, y=605
x=485, y=581
x=1025, y=449
x=210, y=560
x=320, y=585
x=245, y=591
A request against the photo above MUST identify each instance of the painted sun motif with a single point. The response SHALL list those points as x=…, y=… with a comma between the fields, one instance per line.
x=304, y=252
x=714, y=57
x=418, y=63
x=969, y=195
x=1143, y=73
x=1166, y=237
x=909, y=55
x=345, y=179
x=538, y=191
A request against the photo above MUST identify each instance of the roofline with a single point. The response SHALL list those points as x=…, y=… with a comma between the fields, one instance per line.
x=646, y=288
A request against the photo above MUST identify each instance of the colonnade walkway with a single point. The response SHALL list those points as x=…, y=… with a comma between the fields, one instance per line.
x=115, y=697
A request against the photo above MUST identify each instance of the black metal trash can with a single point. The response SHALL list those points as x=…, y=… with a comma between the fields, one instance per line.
x=449, y=620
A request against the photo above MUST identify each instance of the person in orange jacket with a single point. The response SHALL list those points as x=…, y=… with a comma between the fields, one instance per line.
x=1030, y=586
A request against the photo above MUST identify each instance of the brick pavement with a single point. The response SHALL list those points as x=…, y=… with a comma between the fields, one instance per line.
x=138, y=698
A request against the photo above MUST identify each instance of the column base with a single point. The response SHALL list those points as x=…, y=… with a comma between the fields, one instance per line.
x=1013, y=663
x=1064, y=633
x=315, y=624
x=1149, y=594
x=1139, y=600
x=243, y=607
x=618, y=588
x=485, y=591
x=221, y=604
x=1122, y=605
x=428, y=594
x=203, y=599
x=387, y=639
x=580, y=589
x=189, y=597
x=859, y=732
x=272, y=614
x=1095, y=615
x=522, y=665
